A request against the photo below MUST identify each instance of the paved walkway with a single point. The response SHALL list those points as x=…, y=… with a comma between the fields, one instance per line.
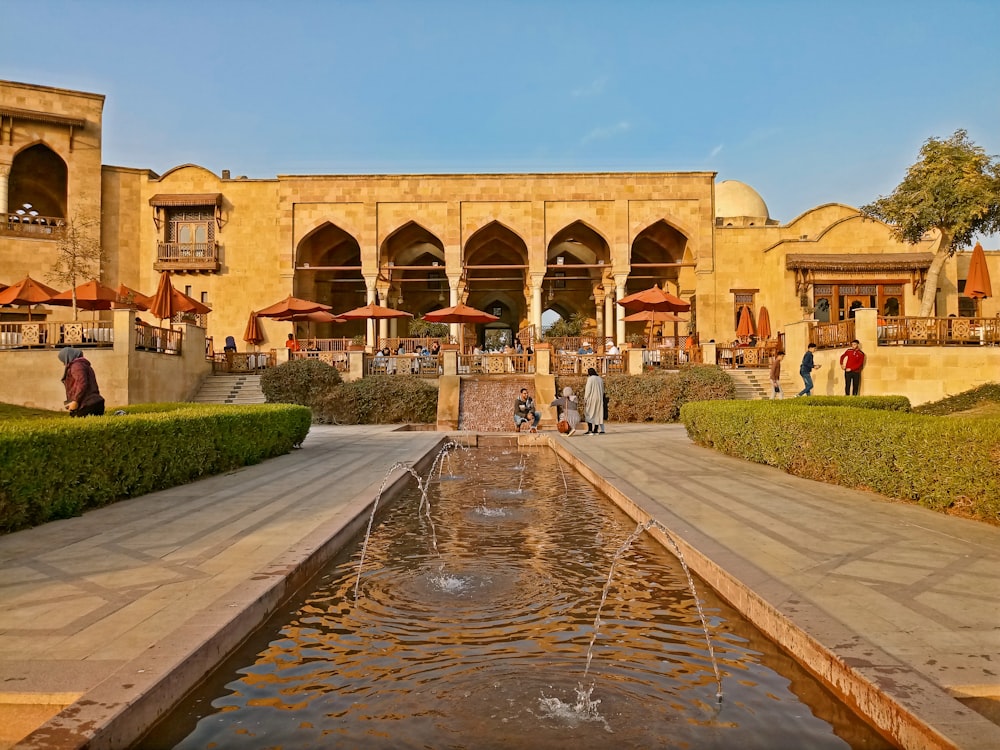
x=100, y=608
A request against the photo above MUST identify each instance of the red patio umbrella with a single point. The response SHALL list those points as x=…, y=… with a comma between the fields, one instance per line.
x=654, y=316
x=291, y=306
x=92, y=295
x=372, y=311
x=167, y=301
x=744, y=328
x=461, y=314
x=977, y=285
x=27, y=292
x=253, y=334
x=128, y=297
x=317, y=316
x=654, y=298
x=763, y=324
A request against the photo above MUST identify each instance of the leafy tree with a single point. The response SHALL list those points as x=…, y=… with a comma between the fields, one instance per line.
x=955, y=188
x=78, y=253
x=576, y=325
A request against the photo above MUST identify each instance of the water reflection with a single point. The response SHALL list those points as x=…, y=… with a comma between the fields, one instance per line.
x=471, y=630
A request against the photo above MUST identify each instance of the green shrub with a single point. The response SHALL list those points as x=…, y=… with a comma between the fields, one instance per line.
x=300, y=381
x=986, y=393
x=656, y=396
x=878, y=403
x=939, y=463
x=379, y=399
x=56, y=468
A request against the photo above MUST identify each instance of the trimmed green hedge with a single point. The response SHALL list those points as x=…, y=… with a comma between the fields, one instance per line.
x=939, y=463
x=378, y=399
x=57, y=468
x=879, y=403
x=301, y=381
x=656, y=397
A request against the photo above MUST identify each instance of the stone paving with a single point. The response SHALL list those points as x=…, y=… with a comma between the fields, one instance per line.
x=111, y=613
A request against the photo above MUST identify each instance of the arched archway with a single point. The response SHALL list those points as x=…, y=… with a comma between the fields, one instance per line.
x=328, y=270
x=411, y=261
x=39, y=179
x=496, y=260
x=658, y=255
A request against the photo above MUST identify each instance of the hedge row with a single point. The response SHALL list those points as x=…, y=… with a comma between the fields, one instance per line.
x=57, y=468
x=937, y=462
x=378, y=399
x=656, y=397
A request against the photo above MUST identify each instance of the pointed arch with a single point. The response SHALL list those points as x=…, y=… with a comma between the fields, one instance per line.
x=657, y=255
x=38, y=178
x=411, y=259
x=328, y=270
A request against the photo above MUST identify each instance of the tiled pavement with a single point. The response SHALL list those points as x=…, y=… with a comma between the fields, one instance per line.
x=877, y=594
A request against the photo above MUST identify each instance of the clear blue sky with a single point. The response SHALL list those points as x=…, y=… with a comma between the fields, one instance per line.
x=808, y=102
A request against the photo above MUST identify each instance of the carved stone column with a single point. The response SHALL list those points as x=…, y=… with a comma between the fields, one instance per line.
x=4, y=177
x=620, y=280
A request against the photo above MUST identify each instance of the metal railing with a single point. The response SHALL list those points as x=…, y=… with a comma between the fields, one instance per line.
x=40, y=335
x=160, y=340
x=907, y=331
x=34, y=226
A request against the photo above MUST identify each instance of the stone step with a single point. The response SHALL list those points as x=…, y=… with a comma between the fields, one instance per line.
x=230, y=389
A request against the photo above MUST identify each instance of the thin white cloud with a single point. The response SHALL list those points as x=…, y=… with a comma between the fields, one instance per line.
x=607, y=131
x=715, y=151
x=594, y=88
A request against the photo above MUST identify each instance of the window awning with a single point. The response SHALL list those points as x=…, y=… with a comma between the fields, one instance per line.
x=187, y=199
x=859, y=262
x=32, y=116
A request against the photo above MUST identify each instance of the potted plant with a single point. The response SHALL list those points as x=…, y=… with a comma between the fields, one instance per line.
x=357, y=343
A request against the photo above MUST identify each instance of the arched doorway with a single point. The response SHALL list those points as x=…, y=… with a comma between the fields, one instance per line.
x=38, y=179
x=328, y=270
x=411, y=273
x=578, y=277
x=494, y=272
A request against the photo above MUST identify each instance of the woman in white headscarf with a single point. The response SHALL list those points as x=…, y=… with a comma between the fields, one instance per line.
x=593, y=403
x=83, y=398
x=569, y=409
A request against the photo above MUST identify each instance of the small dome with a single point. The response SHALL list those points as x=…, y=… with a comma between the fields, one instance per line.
x=733, y=199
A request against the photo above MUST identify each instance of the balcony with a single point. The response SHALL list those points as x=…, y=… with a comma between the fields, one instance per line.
x=21, y=224
x=187, y=256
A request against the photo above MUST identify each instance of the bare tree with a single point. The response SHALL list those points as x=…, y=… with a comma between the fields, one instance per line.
x=79, y=253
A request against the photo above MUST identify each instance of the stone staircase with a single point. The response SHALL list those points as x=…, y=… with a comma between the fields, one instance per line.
x=754, y=384
x=230, y=389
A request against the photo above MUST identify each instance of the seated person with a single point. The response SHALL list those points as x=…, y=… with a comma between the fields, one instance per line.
x=524, y=409
x=401, y=349
x=436, y=348
x=230, y=344
x=584, y=348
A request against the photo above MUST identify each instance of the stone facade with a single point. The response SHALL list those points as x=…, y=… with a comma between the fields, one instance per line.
x=514, y=244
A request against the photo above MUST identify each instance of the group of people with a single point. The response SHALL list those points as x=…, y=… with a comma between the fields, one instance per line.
x=594, y=407
x=852, y=362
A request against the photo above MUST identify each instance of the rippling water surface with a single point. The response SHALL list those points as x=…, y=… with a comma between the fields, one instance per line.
x=480, y=640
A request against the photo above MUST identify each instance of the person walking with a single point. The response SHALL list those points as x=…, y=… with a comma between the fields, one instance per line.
x=806, y=370
x=852, y=361
x=593, y=403
x=775, y=375
x=569, y=410
x=83, y=397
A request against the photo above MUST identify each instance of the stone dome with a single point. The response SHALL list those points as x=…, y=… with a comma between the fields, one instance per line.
x=737, y=199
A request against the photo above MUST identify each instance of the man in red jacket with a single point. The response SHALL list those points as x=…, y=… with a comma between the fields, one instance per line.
x=851, y=362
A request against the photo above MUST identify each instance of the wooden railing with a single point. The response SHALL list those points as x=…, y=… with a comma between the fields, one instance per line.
x=335, y=358
x=496, y=364
x=160, y=340
x=190, y=256
x=578, y=364
x=324, y=345
x=34, y=335
x=410, y=345
x=906, y=331
x=429, y=366
x=746, y=356
x=244, y=361
x=670, y=357
x=33, y=226
x=832, y=335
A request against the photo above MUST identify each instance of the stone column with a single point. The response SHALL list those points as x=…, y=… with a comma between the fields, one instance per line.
x=536, y=302
x=600, y=323
x=370, y=324
x=4, y=177
x=453, y=283
x=609, y=318
x=620, y=280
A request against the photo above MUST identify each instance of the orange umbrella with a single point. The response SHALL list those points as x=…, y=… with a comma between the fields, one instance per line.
x=90, y=296
x=460, y=313
x=654, y=299
x=744, y=329
x=977, y=285
x=253, y=334
x=317, y=316
x=128, y=297
x=654, y=316
x=27, y=292
x=290, y=306
x=372, y=311
x=763, y=324
x=167, y=301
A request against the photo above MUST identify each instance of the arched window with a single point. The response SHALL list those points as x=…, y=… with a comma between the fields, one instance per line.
x=38, y=177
